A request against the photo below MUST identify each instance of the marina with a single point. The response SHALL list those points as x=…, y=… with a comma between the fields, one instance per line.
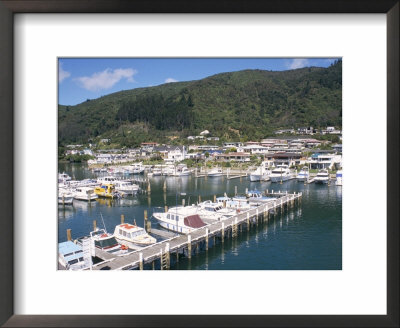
x=192, y=251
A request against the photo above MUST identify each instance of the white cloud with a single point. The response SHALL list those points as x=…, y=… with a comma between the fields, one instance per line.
x=106, y=79
x=62, y=75
x=298, y=63
x=169, y=80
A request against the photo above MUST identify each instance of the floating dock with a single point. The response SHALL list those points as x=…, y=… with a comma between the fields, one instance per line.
x=189, y=245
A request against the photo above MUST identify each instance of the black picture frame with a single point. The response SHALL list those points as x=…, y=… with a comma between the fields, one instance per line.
x=10, y=7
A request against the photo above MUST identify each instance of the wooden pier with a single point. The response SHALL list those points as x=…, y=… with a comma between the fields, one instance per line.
x=189, y=244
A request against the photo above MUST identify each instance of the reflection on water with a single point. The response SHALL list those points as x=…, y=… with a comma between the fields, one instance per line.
x=307, y=237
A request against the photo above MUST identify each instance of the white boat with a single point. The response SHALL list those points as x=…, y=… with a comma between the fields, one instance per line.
x=126, y=187
x=65, y=197
x=181, y=170
x=261, y=173
x=63, y=177
x=253, y=196
x=181, y=219
x=242, y=205
x=215, y=172
x=157, y=171
x=71, y=257
x=322, y=177
x=136, y=168
x=304, y=174
x=107, y=179
x=85, y=193
x=339, y=178
x=131, y=235
x=280, y=173
x=105, y=241
x=214, y=211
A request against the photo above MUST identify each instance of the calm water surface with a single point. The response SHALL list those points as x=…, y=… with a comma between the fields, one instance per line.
x=307, y=237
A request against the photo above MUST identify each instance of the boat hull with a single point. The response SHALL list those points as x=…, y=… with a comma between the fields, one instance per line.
x=321, y=181
x=279, y=178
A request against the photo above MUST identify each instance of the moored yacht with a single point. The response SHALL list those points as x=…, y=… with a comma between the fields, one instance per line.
x=107, y=190
x=131, y=235
x=242, y=205
x=104, y=241
x=280, y=173
x=261, y=173
x=65, y=197
x=70, y=257
x=181, y=219
x=85, y=193
x=322, y=177
x=215, y=172
x=136, y=168
x=126, y=187
x=304, y=174
x=181, y=170
x=214, y=211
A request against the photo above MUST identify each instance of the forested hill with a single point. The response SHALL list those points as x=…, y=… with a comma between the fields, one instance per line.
x=249, y=104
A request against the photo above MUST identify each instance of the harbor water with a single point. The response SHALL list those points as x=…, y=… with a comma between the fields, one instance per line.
x=306, y=237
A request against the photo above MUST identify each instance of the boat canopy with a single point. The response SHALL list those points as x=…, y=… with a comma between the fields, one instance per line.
x=194, y=221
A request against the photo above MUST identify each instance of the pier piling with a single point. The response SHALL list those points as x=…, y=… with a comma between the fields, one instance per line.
x=122, y=219
x=69, y=234
x=145, y=219
x=94, y=225
x=166, y=208
x=206, y=239
x=189, y=246
x=141, y=261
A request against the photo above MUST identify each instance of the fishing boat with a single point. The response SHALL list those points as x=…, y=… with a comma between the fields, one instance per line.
x=322, y=177
x=70, y=257
x=131, y=235
x=339, y=178
x=180, y=219
x=85, y=193
x=280, y=173
x=107, y=190
x=65, y=197
x=303, y=175
x=215, y=172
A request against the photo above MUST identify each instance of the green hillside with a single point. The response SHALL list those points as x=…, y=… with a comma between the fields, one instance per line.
x=249, y=104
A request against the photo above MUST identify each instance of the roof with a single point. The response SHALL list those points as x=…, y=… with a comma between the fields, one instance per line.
x=280, y=155
x=128, y=226
x=235, y=154
x=68, y=247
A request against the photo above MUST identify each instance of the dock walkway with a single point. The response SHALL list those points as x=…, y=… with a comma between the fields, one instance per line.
x=185, y=243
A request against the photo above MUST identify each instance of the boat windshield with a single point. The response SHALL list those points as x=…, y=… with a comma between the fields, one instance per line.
x=106, y=243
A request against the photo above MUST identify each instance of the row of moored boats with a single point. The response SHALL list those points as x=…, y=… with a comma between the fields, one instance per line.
x=129, y=237
x=282, y=173
x=91, y=189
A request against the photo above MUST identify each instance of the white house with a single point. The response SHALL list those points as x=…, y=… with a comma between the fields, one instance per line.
x=254, y=149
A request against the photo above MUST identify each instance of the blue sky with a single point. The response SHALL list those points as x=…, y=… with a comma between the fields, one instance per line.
x=89, y=78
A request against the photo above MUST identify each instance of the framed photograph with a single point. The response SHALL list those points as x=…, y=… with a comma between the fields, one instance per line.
x=193, y=155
